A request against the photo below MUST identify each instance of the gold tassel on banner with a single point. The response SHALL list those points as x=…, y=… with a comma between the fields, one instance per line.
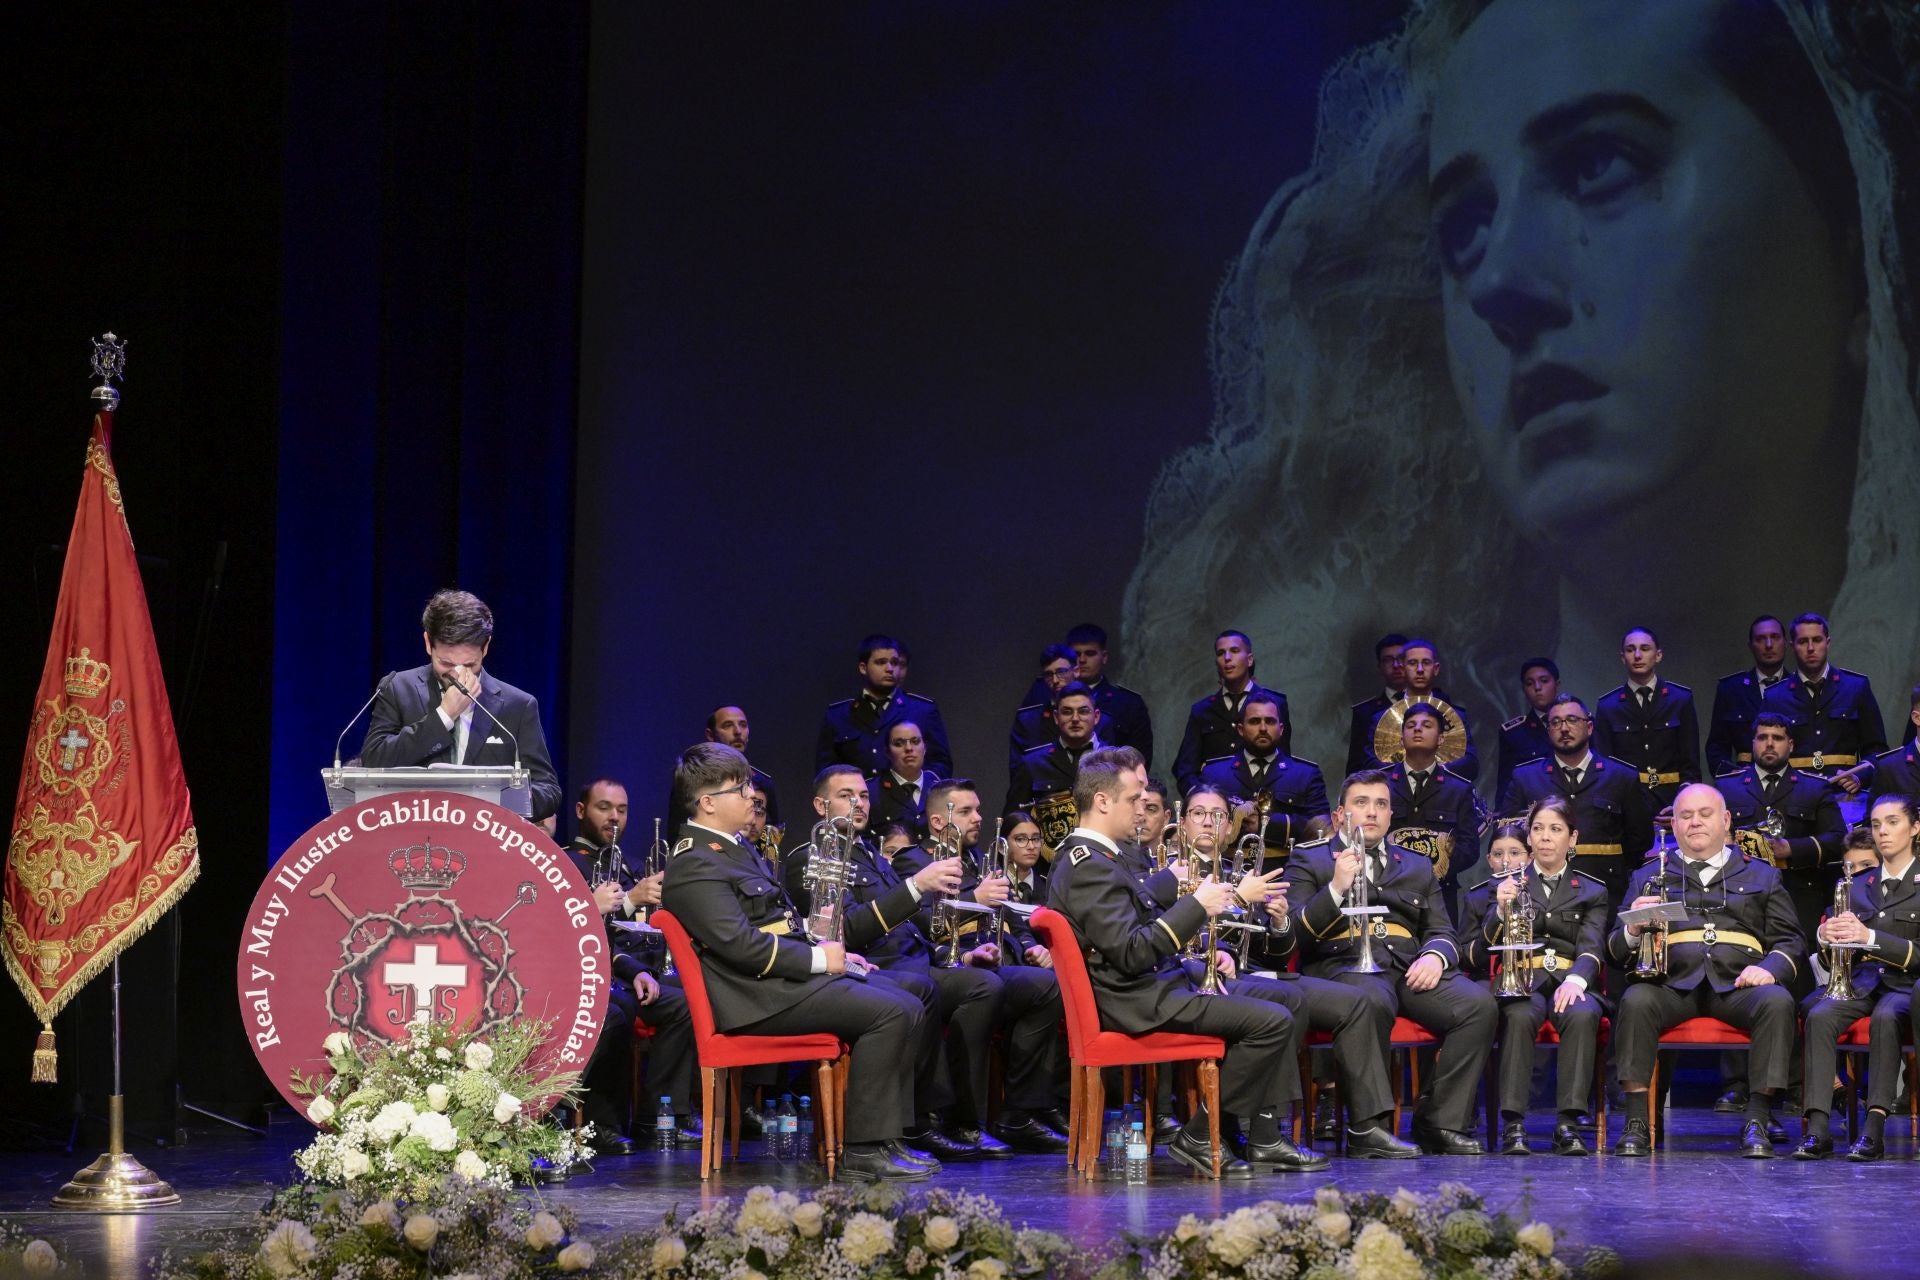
x=45, y=1060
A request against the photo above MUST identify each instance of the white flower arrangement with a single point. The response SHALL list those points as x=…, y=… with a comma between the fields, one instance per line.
x=398, y=1118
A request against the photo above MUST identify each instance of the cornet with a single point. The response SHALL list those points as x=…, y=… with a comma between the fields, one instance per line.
x=1839, y=955
x=1360, y=909
x=1516, y=943
x=947, y=925
x=829, y=867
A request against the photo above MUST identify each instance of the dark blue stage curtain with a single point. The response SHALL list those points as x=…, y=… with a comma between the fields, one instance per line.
x=429, y=346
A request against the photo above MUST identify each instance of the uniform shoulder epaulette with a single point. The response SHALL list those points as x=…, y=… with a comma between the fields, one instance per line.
x=1675, y=684
x=1311, y=764
x=1364, y=703
x=1031, y=706
x=844, y=702
x=1217, y=759
x=1448, y=770
x=920, y=697
x=1037, y=752
x=1313, y=844
x=1514, y=723
x=684, y=845
x=1618, y=691
x=759, y=772
x=1080, y=855
x=1732, y=773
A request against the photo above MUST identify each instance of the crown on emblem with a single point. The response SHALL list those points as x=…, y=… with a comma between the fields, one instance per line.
x=87, y=678
x=427, y=865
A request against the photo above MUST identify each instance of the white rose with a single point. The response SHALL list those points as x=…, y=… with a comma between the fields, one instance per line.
x=1336, y=1227
x=986, y=1269
x=381, y=1214
x=1406, y=1201
x=546, y=1232
x=942, y=1233
x=468, y=1164
x=809, y=1219
x=421, y=1231
x=1327, y=1200
x=670, y=1251
x=443, y=1054
x=438, y=1096
x=393, y=1120
x=1536, y=1237
x=577, y=1256
x=506, y=1109
x=38, y=1257
x=355, y=1164
x=338, y=1042
x=479, y=1056
x=435, y=1129
x=287, y=1248
x=320, y=1110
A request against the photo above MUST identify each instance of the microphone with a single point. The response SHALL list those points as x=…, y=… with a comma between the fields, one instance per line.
x=473, y=696
x=378, y=686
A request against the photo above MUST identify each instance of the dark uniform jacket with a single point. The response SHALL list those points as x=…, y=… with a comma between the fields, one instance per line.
x=1572, y=921
x=1360, y=733
x=631, y=949
x=1834, y=730
x=1897, y=771
x=1124, y=721
x=1809, y=809
x=1008, y=929
x=1522, y=739
x=1132, y=942
x=1446, y=804
x=896, y=802
x=1736, y=701
x=1416, y=921
x=1046, y=771
x=1745, y=910
x=404, y=730
x=1894, y=916
x=1212, y=732
x=874, y=887
x=854, y=731
x=752, y=940
x=1661, y=741
x=1299, y=791
x=1611, y=810
x=1032, y=727
x=762, y=782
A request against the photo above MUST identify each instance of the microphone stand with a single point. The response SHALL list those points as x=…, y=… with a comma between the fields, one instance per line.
x=473, y=696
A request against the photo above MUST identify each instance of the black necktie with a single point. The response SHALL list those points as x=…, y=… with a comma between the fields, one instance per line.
x=1646, y=698
x=1772, y=786
x=1419, y=780
x=913, y=793
x=1258, y=769
x=1376, y=864
x=1569, y=777
x=1814, y=687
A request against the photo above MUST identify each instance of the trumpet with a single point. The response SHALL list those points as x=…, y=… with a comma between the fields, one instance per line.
x=1175, y=847
x=1360, y=909
x=1652, y=960
x=947, y=926
x=1838, y=956
x=829, y=867
x=1516, y=942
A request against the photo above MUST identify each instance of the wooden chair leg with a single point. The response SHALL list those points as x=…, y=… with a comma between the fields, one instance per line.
x=1399, y=1084
x=1093, y=1096
x=733, y=1114
x=826, y=1089
x=1189, y=1080
x=1653, y=1106
x=1149, y=1090
x=1075, y=1121
x=708, y=1118
x=840, y=1078
x=1210, y=1085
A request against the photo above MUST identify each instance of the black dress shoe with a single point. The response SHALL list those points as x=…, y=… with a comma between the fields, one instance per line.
x=1054, y=1118
x=1634, y=1140
x=1436, y=1141
x=1568, y=1142
x=1513, y=1139
x=877, y=1164
x=1283, y=1156
x=1754, y=1143
x=547, y=1173
x=1326, y=1117
x=1164, y=1127
x=985, y=1145
x=1587, y=1123
x=1030, y=1133
x=687, y=1135
x=1198, y=1156
x=753, y=1122
x=1776, y=1132
x=613, y=1143
x=1379, y=1144
x=1814, y=1147
x=941, y=1145
x=910, y=1155
x=1731, y=1103
x=1869, y=1148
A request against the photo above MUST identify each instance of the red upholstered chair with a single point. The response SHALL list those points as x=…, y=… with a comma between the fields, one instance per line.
x=719, y=1053
x=1406, y=1036
x=1550, y=1037
x=1691, y=1033
x=1854, y=1041
x=1090, y=1049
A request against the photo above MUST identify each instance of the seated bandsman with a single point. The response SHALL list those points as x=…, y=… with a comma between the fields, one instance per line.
x=1883, y=919
x=1435, y=811
x=1413, y=943
x=1214, y=722
x=1000, y=942
x=1043, y=784
x=1133, y=947
x=1570, y=916
x=764, y=978
x=1611, y=810
x=1026, y=869
x=1650, y=722
x=1524, y=738
x=1833, y=713
x=638, y=992
x=1731, y=959
x=1033, y=722
x=854, y=730
x=900, y=794
x=1898, y=770
x=1738, y=695
x=1794, y=815
x=1261, y=767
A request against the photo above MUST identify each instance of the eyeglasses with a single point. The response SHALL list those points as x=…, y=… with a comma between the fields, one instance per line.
x=1554, y=722
x=1208, y=816
x=743, y=789
x=1034, y=839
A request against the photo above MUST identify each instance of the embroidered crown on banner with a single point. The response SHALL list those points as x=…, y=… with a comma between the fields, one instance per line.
x=86, y=676
x=427, y=865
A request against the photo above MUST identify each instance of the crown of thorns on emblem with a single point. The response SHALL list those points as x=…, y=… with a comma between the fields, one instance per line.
x=447, y=944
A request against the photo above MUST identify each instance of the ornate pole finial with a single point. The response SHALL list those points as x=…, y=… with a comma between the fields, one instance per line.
x=110, y=366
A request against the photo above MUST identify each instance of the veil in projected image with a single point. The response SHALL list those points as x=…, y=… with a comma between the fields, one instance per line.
x=1583, y=316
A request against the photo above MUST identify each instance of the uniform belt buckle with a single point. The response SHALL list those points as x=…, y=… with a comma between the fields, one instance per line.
x=1819, y=760
x=1379, y=928
x=1649, y=776
x=1550, y=962
x=1709, y=935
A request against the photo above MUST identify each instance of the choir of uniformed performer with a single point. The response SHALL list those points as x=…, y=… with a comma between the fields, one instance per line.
x=1414, y=945
x=1568, y=914
x=1650, y=722
x=1738, y=696
x=1213, y=725
x=1525, y=738
x=1882, y=919
x=1133, y=946
x=1033, y=722
x=1835, y=719
x=854, y=730
x=1731, y=958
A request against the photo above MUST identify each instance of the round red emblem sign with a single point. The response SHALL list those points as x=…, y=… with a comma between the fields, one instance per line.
x=423, y=900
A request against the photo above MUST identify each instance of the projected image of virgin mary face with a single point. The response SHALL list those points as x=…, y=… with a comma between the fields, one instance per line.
x=1646, y=312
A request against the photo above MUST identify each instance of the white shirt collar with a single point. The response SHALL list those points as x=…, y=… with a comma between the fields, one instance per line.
x=1634, y=687
x=1103, y=841
x=724, y=835
x=1823, y=674
x=1585, y=763
x=920, y=781
x=1716, y=863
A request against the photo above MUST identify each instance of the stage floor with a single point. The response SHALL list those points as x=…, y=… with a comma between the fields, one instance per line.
x=1765, y=1217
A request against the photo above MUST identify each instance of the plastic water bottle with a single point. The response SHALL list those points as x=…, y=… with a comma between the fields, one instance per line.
x=803, y=1134
x=1116, y=1148
x=1137, y=1155
x=789, y=1128
x=664, y=1125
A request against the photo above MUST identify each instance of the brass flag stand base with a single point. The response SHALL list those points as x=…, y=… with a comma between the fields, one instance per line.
x=116, y=1182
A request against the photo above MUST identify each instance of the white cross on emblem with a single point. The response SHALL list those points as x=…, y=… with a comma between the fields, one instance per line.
x=72, y=745
x=424, y=973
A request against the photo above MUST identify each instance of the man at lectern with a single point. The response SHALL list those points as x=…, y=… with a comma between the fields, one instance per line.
x=428, y=715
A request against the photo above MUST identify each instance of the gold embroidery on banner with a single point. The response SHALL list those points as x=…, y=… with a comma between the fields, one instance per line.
x=97, y=459
x=59, y=863
x=73, y=750
x=87, y=676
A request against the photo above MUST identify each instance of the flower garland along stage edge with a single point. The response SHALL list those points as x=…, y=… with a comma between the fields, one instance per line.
x=853, y=1232
x=398, y=1117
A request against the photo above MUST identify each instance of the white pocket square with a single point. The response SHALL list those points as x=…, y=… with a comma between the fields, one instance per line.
x=493, y=741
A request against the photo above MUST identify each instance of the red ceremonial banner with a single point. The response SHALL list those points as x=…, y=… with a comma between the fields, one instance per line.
x=102, y=843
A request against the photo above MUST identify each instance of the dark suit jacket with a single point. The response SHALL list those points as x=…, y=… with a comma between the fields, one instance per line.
x=1572, y=920
x=1522, y=739
x=1447, y=804
x=1124, y=721
x=890, y=803
x=1409, y=891
x=1664, y=738
x=1609, y=807
x=1043, y=771
x=1299, y=792
x=1747, y=896
x=853, y=732
x=1132, y=944
x=405, y=730
x=1843, y=720
x=1898, y=771
x=1032, y=727
x=1894, y=917
x=1212, y=732
x=1736, y=701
